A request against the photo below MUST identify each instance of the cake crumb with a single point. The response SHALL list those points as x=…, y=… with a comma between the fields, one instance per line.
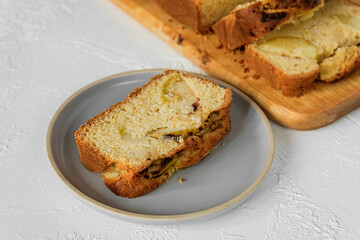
x=180, y=180
x=223, y=144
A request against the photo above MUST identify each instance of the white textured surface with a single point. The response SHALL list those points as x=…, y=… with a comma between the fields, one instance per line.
x=49, y=49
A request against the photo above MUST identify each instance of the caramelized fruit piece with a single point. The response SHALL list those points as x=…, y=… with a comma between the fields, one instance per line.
x=289, y=46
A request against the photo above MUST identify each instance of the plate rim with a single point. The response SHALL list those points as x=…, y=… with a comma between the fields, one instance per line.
x=174, y=217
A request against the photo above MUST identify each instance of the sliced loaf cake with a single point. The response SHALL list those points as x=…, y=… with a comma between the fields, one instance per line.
x=324, y=47
x=170, y=123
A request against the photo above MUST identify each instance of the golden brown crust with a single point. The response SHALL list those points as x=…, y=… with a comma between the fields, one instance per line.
x=132, y=184
x=186, y=11
x=253, y=22
x=90, y=158
x=293, y=85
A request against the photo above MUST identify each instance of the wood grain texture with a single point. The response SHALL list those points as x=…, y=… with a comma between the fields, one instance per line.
x=326, y=103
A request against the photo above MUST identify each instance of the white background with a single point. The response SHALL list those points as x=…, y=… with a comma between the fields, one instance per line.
x=50, y=48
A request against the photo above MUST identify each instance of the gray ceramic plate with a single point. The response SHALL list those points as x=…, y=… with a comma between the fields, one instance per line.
x=220, y=182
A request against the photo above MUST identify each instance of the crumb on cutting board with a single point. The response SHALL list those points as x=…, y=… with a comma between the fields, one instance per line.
x=223, y=144
x=180, y=180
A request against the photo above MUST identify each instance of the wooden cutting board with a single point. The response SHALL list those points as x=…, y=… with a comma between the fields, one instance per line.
x=326, y=103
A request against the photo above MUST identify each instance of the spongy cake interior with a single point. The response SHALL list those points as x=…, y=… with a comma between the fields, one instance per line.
x=129, y=131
